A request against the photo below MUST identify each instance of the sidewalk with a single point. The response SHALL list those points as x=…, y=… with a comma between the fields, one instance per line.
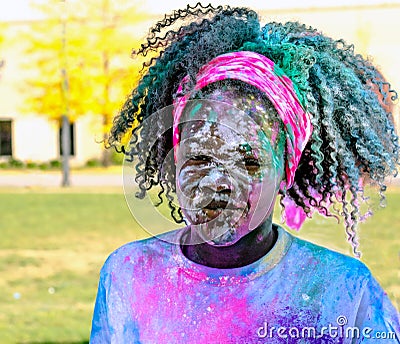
x=54, y=178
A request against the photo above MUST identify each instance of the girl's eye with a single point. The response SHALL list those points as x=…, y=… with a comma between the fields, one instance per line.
x=252, y=164
x=199, y=159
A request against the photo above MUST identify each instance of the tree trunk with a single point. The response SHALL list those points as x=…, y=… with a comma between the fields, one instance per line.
x=106, y=155
x=65, y=131
x=65, y=146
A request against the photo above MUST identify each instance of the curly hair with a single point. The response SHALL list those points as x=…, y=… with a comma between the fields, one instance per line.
x=348, y=98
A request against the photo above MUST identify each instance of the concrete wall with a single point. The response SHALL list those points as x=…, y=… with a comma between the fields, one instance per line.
x=34, y=139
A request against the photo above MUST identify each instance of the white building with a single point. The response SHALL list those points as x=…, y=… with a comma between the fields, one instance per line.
x=37, y=139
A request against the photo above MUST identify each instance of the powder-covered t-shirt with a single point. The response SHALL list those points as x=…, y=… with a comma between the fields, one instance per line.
x=149, y=292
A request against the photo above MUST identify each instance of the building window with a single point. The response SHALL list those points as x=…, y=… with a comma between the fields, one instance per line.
x=5, y=138
x=71, y=141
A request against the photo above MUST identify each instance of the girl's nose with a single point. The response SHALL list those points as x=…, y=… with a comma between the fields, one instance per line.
x=217, y=180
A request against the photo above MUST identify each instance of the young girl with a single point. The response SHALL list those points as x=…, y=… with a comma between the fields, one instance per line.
x=229, y=117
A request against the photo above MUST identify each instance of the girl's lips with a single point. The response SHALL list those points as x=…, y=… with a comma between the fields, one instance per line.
x=212, y=213
x=221, y=205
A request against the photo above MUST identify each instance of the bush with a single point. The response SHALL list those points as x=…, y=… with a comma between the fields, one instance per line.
x=93, y=163
x=55, y=163
x=31, y=164
x=117, y=158
x=44, y=166
x=15, y=163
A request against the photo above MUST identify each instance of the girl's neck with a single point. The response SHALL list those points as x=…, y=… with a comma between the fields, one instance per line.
x=247, y=250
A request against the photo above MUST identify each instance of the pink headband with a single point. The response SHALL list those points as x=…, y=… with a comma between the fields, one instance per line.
x=257, y=70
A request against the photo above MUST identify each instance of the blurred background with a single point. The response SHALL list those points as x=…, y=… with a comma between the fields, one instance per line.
x=65, y=71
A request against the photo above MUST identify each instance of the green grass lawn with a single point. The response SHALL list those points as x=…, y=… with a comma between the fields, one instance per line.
x=53, y=243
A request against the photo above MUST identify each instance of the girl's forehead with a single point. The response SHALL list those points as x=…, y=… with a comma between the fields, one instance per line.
x=225, y=138
x=211, y=133
x=253, y=105
x=238, y=104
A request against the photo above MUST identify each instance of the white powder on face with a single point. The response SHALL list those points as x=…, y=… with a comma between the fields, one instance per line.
x=218, y=142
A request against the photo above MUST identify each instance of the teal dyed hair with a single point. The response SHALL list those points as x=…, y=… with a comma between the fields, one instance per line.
x=348, y=98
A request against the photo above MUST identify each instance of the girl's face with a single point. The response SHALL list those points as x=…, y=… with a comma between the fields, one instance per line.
x=230, y=163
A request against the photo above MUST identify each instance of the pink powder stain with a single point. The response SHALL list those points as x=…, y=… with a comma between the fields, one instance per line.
x=166, y=307
x=293, y=215
x=199, y=276
x=233, y=311
x=161, y=301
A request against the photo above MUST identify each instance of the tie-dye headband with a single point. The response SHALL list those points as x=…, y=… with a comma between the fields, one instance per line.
x=257, y=70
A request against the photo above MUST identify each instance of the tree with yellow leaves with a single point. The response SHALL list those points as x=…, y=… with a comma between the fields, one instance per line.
x=1, y=43
x=79, y=54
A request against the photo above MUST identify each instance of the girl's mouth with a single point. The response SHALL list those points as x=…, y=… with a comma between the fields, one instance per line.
x=220, y=201
x=216, y=205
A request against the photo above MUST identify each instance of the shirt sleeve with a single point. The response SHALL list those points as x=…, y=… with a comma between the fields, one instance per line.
x=377, y=319
x=100, y=328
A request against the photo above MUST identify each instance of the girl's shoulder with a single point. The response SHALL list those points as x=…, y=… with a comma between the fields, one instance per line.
x=321, y=258
x=145, y=252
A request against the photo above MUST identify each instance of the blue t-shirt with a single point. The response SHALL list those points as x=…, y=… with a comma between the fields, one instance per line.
x=149, y=292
